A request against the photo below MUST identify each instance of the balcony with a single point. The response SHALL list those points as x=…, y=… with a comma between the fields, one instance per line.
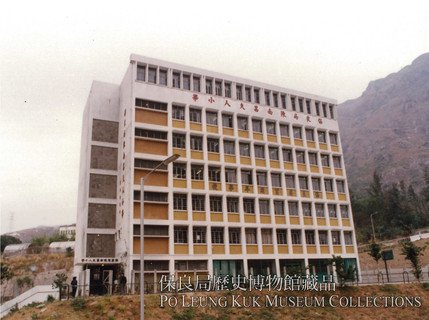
x=323, y=146
x=151, y=116
x=197, y=184
x=274, y=164
x=235, y=249
x=243, y=133
x=152, y=210
x=285, y=140
x=311, y=144
x=298, y=142
x=151, y=146
x=314, y=168
x=252, y=249
x=283, y=249
x=157, y=178
x=305, y=193
x=262, y=189
x=180, y=248
x=180, y=215
x=152, y=245
x=247, y=188
x=198, y=216
x=215, y=186
x=212, y=128
x=179, y=124
x=198, y=155
x=213, y=156
x=228, y=131
x=267, y=249
x=337, y=249
x=231, y=187
x=265, y=218
x=196, y=126
x=272, y=137
x=297, y=249
x=245, y=160
x=216, y=216
x=218, y=249
x=233, y=217
x=280, y=219
x=294, y=219
x=249, y=218
x=229, y=158
x=311, y=249
x=200, y=249
x=180, y=183
x=258, y=136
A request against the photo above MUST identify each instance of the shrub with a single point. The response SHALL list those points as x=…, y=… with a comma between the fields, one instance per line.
x=78, y=304
x=50, y=298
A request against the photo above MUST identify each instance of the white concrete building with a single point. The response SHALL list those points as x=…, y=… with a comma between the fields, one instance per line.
x=260, y=187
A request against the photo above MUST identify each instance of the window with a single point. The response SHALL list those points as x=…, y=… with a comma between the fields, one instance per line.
x=279, y=208
x=328, y=185
x=320, y=210
x=271, y=127
x=230, y=175
x=149, y=164
x=239, y=92
x=321, y=136
x=324, y=110
x=264, y=207
x=337, y=162
x=276, y=100
x=178, y=112
x=316, y=184
x=259, y=151
x=186, y=82
x=274, y=153
x=209, y=86
x=287, y=155
x=300, y=157
x=248, y=205
x=196, y=83
x=180, y=201
x=335, y=235
x=179, y=170
x=317, y=104
x=246, y=177
x=163, y=77
x=309, y=237
x=228, y=147
x=293, y=208
x=331, y=111
x=344, y=212
x=232, y=205
x=211, y=118
x=159, y=135
x=283, y=99
x=307, y=104
x=176, y=80
x=290, y=182
x=141, y=73
x=297, y=132
x=199, y=234
x=296, y=236
x=332, y=209
x=227, y=90
x=312, y=158
x=333, y=138
x=293, y=101
x=325, y=160
x=227, y=121
x=197, y=143
x=214, y=174
x=243, y=123
x=276, y=181
x=256, y=95
x=301, y=105
x=257, y=125
x=180, y=234
x=267, y=97
x=155, y=196
x=306, y=209
x=284, y=130
x=234, y=235
x=213, y=145
x=148, y=104
x=197, y=172
x=190, y=265
x=281, y=236
x=261, y=178
x=152, y=75
x=217, y=235
x=303, y=183
x=267, y=236
x=179, y=141
x=216, y=204
x=198, y=202
x=195, y=115
x=348, y=238
x=218, y=88
x=248, y=94
x=309, y=134
x=250, y=236
x=340, y=186
x=244, y=149
x=323, y=237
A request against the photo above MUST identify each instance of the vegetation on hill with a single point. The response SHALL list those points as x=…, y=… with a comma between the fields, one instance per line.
x=6, y=240
x=398, y=210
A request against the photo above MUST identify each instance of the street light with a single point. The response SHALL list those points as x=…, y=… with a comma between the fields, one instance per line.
x=372, y=224
x=165, y=162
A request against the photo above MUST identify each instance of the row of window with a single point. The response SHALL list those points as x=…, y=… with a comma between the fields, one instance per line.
x=243, y=123
x=199, y=235
x=228, y=89
x=255, y=149
x=198, y=203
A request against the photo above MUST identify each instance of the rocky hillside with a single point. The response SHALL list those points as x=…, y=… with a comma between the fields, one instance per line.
x=27, y=235
x=387, y=128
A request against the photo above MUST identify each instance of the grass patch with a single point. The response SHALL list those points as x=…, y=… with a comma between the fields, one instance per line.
x=388, y=288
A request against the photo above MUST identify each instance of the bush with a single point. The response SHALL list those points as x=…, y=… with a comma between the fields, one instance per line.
x=78, y=304
x=50, y=298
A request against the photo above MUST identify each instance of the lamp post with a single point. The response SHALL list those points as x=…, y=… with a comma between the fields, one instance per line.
x=165, y=162
x=372, y=224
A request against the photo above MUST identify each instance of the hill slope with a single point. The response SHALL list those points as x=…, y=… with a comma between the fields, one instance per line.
x=387, y=128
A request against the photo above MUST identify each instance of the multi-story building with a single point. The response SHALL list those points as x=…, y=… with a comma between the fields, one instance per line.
x=259, y=188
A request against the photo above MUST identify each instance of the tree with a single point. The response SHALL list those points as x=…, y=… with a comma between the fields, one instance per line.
x=6, y=240
x=59, y=282
x=5, y=272
x=413, y=253
x=375, y=251
x=344, y=273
